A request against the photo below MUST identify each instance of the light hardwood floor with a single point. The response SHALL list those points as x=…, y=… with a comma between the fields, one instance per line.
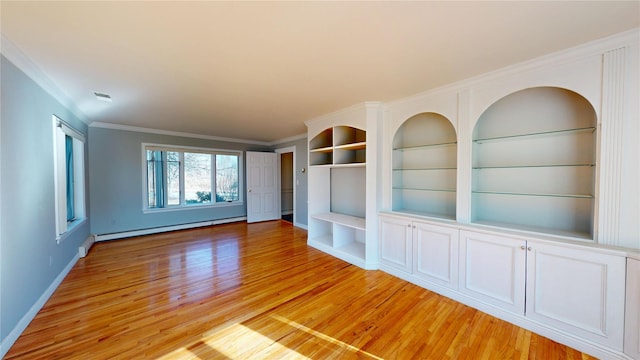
x=254, y=292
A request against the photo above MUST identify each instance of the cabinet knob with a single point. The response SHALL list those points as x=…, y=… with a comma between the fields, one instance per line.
x=529, y=248
x=409, y=225
x=414, y=226
x=521, y=247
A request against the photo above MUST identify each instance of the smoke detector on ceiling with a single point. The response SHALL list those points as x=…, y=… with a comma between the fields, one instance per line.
x=102, y=96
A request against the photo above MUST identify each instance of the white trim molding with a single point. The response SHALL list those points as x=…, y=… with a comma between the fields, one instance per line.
x=32, y=70
x=288, y=139
x=98, y=124
x=611, y=134
x=11, y=338
x=126, y=234
x=103, y=125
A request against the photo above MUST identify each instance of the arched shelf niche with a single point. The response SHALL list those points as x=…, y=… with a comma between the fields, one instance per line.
x=534, y=161
x=424, y=166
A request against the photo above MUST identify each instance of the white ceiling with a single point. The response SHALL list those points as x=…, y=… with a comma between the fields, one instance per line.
x=258, y=70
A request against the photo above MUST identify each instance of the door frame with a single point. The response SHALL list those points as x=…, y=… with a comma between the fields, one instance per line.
x=280, y=151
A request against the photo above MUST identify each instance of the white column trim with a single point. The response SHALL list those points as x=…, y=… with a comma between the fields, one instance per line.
x=465, y=133
x=611, y=141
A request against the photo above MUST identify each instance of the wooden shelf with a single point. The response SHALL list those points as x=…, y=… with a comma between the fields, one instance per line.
x=322, y=150
x=353, y=146
x=339, y=146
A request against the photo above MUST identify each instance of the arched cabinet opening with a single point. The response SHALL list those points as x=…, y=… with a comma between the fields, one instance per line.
x=534, y=158
x=424, y=167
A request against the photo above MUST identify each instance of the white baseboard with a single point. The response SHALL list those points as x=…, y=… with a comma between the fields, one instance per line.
x=8, y=341
x=301, y=226
x=126, y=234
x=83, y=250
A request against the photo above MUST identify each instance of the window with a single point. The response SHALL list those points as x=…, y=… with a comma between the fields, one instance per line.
x=68, y=176
x=178, y=177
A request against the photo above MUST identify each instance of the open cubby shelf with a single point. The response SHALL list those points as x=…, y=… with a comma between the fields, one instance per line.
x=339, y=145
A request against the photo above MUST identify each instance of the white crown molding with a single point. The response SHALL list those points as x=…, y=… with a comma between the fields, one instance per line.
x=103, y=125
x=33, y=71
x=288, y=139
x=98, y=124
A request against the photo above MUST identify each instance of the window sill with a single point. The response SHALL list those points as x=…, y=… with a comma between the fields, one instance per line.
x=71, y=227
x=192, y=207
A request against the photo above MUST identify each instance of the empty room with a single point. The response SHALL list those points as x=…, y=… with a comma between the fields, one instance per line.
x=320, y=180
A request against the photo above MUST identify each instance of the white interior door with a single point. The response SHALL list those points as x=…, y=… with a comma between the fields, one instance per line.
x=263, y=190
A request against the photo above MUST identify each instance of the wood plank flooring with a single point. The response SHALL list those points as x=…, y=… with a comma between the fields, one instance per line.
x=256, y=291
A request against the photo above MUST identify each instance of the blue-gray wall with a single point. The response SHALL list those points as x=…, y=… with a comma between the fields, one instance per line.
x=116, y=172
x=301, y=177
x=30, y=258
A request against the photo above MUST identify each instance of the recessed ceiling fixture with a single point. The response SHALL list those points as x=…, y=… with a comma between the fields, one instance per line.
x=102, y=96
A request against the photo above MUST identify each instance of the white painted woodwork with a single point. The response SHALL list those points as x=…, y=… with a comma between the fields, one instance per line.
x=632, y=312
x=492, y=269
x=578, y=291
x=605, y=74
x=435, y=253
x=396, y=242
x=574, y=171
x=534, y=158
x=340, y=162
x=424, y=166
x=422, y=250
x=611, y=126
x=263, y=193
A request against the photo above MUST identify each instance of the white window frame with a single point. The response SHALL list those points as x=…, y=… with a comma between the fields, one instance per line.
x=60, y=130
x=190, y=149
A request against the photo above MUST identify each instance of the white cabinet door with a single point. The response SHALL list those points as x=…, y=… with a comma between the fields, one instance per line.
x=579, y=291
x=395, y=243
x=435, y=254
x=632, y=321
x=492, y=269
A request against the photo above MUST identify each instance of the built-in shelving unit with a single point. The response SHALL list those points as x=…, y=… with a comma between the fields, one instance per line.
x=534, y=163
x=337, y=209
x=424, y=167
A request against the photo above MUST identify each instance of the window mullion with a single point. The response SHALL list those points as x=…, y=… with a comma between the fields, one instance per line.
x=165, y=179
x=214, y=171
x=181, y=181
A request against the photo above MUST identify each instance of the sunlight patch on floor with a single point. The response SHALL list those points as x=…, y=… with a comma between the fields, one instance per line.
x=241, y=342
x=235, y=342
x=324, y=337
